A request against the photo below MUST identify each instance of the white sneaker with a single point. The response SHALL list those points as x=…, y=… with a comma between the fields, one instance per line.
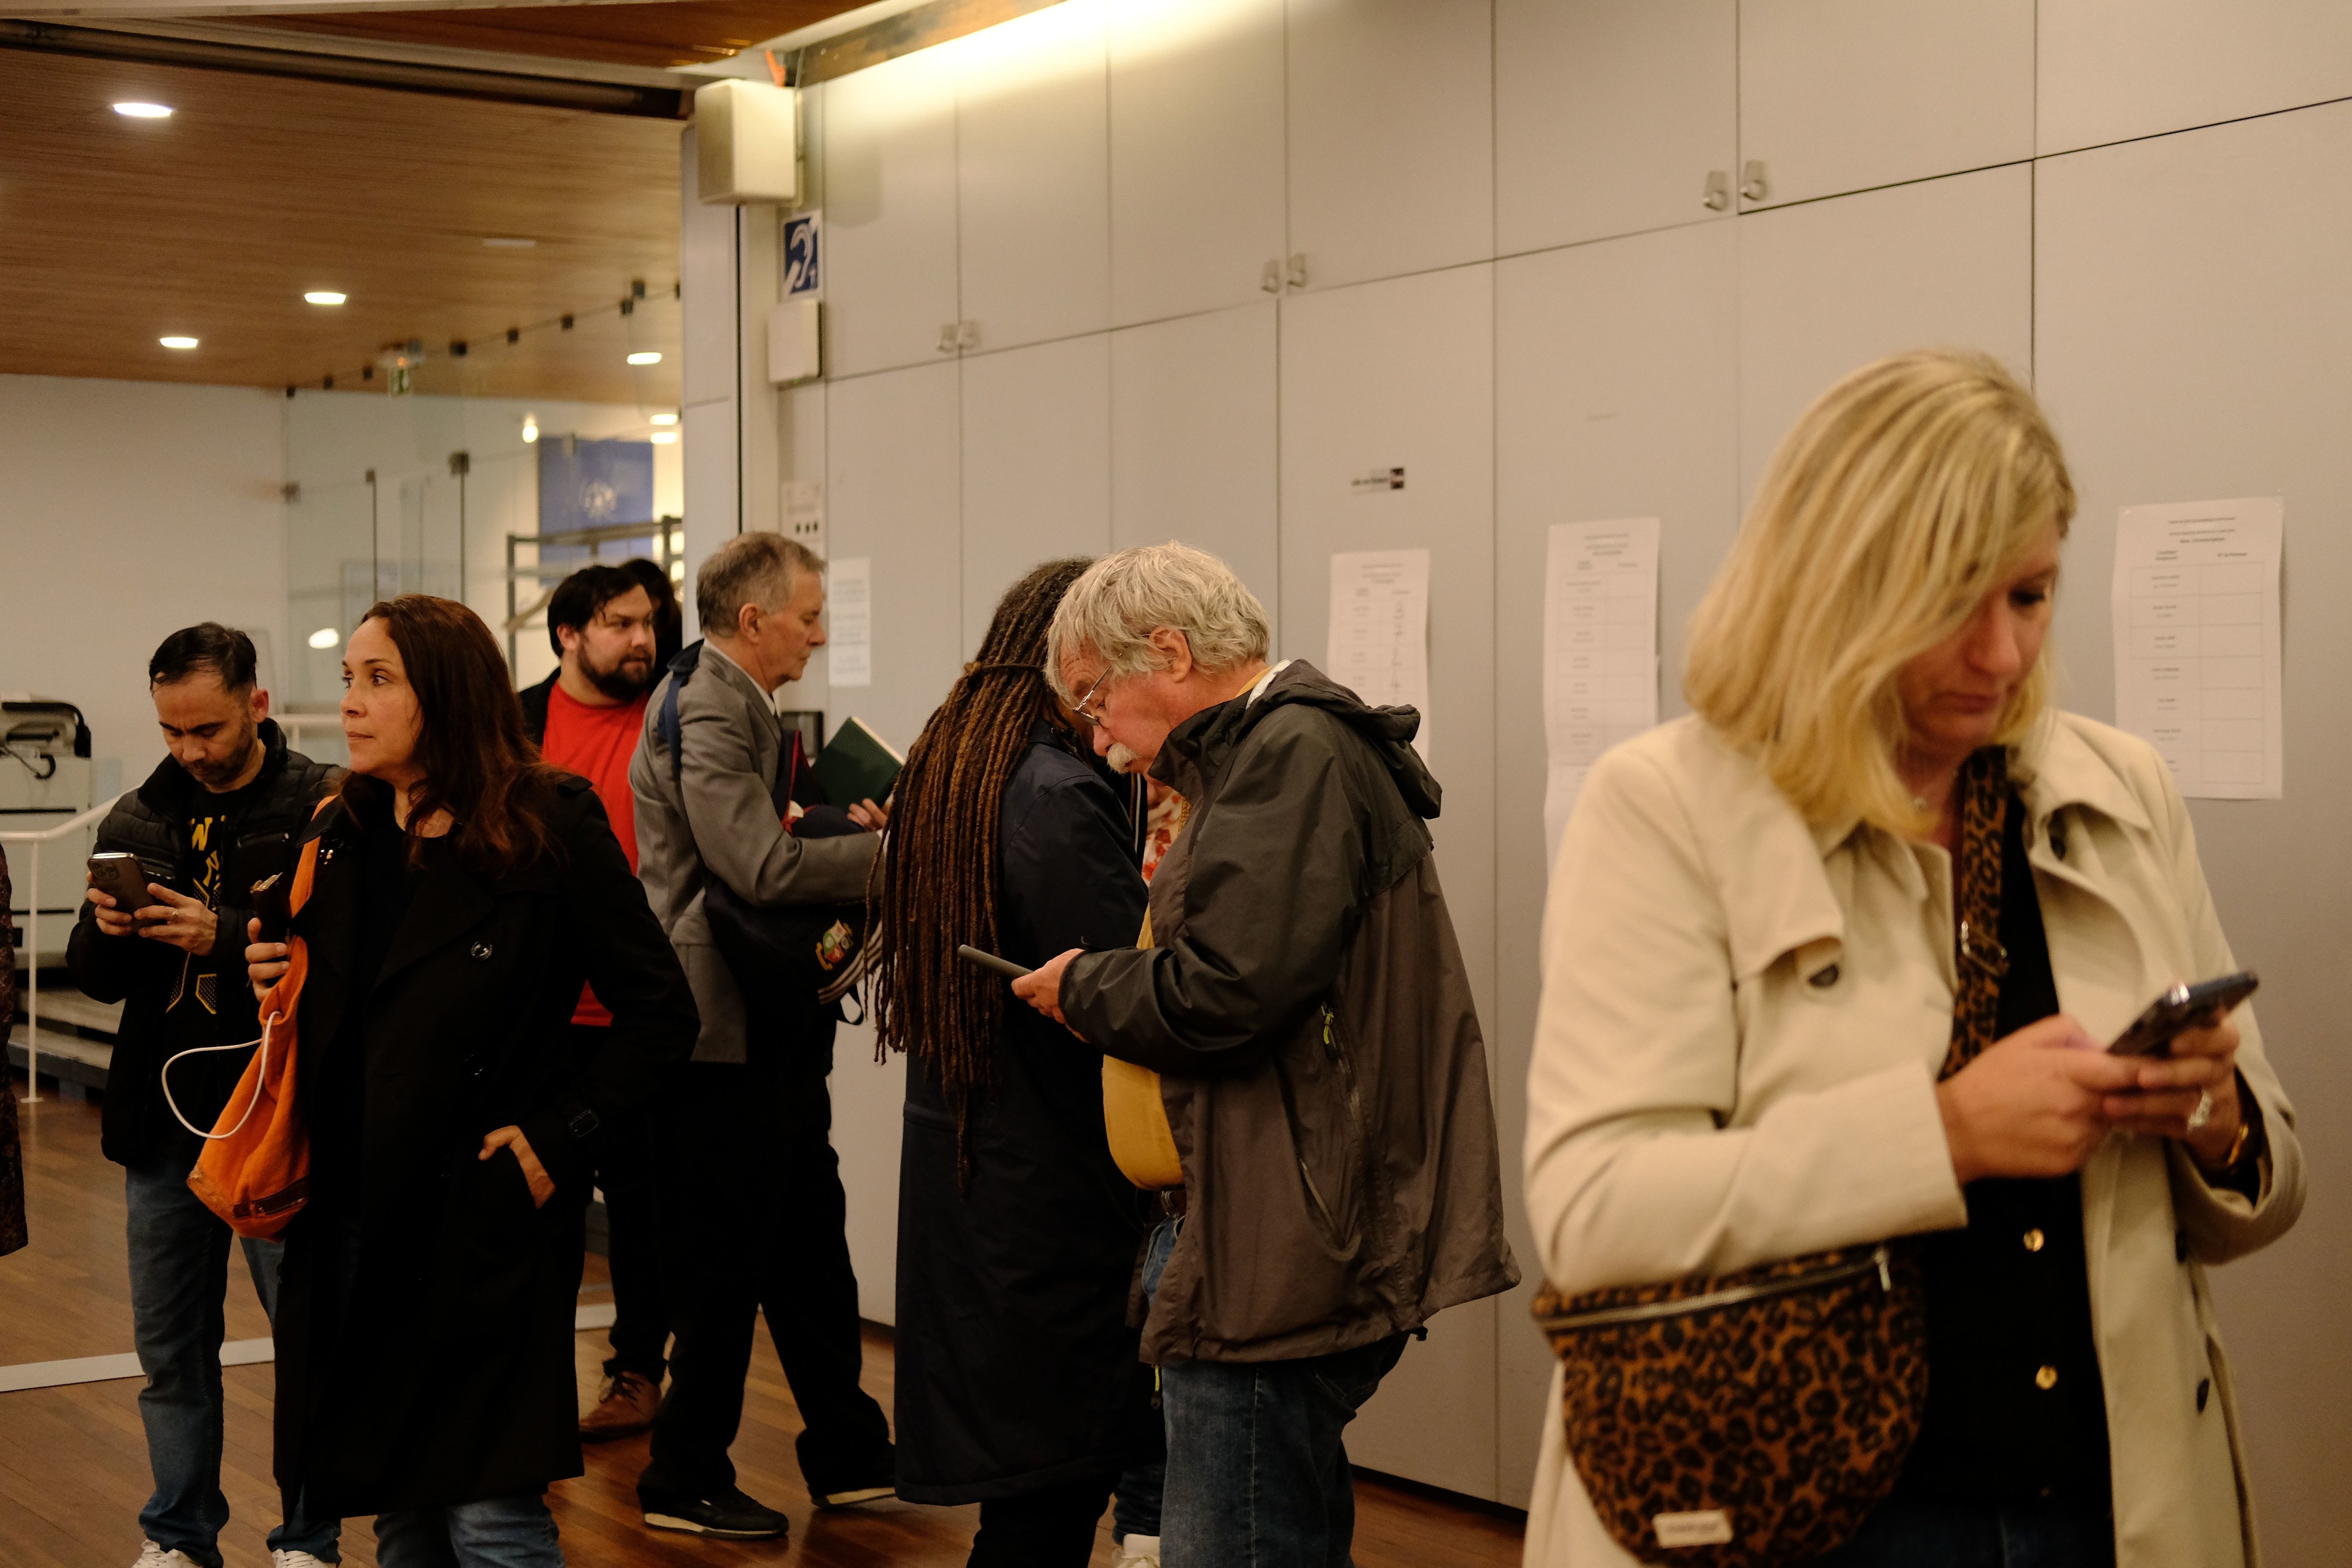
x=154, y=1556
x=1136, y=1552
x=297, y=1560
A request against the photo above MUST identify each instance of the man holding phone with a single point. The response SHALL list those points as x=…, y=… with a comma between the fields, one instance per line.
x=219, y=814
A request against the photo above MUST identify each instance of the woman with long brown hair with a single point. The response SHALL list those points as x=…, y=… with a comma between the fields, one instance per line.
x=1018, y=1385
x=463, y=894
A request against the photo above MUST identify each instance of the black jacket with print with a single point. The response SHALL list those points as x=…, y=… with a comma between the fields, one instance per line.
x=152, y=821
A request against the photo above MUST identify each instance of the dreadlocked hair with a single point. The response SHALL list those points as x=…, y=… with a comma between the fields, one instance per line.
x=940, y=877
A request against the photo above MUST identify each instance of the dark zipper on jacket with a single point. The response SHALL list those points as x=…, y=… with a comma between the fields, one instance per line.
x=1876, y=1262
x=1338, y=1056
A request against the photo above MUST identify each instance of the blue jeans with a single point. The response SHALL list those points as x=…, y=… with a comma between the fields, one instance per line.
x=511, y=1531
x=179, y=1273
x=1907, y=1531
x=1258, y=1472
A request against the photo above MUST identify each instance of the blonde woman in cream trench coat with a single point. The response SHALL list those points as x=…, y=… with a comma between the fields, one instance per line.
x=1744, y=1013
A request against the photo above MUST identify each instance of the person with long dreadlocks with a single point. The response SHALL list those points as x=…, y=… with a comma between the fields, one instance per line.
x=1018, y=1383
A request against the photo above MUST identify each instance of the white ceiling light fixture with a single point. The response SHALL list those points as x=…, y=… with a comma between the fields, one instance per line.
x=324, y=296
x=529, y=429
x=665, y=418
x=177, y=342
x=144, y=111
x=644, y=356
x=664, y=437
x=325, y=638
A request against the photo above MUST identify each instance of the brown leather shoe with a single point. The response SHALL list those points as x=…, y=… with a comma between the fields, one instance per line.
x=627, y=1409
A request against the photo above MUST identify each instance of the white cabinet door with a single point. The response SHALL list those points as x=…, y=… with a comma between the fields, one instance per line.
x=891, y=499
x=1391, y=136
x=1611, y=117
x=1829, y=286
x=1844, y=95
x=1192, y=440
x=890, y=213
x=1037, y=466
x=2112, y=69
x=1616, y=378
x=1401, y=375
x=1196, y=176
x=1033, y=159
x=2193, y=331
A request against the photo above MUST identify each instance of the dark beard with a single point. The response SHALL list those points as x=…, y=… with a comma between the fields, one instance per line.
x=624, y=682
x=212, y=775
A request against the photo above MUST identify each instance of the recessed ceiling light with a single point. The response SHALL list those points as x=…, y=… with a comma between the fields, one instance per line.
x=647, y=357
x=325, y=636
x=324, y=296
x=664, y=438
x=144, y=111
x=177, y=342
x=665, y=418
x=508, y=242
x=529, y=431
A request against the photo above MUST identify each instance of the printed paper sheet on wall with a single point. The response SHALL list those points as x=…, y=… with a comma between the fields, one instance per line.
x=849, y=622
x=2198, y=660
x=1379, y=642
x=1600, y=652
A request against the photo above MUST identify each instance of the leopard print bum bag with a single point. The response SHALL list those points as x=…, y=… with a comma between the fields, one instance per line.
x=1754, y=1419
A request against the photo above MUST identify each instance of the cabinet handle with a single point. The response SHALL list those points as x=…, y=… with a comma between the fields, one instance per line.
x=968, y=334
x=1269, y=277
x=948, y=337
x=1298, y=270
x=1752, y=185
x=1719, y=191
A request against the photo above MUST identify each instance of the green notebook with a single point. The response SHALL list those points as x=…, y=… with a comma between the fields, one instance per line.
x=856, y=765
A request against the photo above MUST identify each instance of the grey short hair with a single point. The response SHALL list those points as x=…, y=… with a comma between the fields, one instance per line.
x=761, y=569
x=1112, y=611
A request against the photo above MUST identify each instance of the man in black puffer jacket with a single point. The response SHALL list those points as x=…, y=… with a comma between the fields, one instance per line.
x=223, y=811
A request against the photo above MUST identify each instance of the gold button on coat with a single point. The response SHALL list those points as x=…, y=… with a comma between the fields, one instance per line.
x=2047, y=1377
x=2033, y=1240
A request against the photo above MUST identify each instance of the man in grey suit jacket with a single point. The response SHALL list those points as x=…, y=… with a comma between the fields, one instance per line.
x=752, y=1203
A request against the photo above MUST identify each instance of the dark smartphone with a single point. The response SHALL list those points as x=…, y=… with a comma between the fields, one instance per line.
x=2181, y=1008
x=1005, y=966
x=123, y=876
x=273, y=903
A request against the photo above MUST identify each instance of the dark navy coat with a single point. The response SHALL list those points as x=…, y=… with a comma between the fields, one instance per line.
x=1017, y=1365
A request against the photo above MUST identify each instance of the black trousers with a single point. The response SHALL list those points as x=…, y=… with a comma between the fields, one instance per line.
x=640, y=1333
x=1053, y=1529
x=753, y=1217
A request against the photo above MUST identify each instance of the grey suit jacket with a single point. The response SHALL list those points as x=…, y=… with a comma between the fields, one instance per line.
x=718, y=819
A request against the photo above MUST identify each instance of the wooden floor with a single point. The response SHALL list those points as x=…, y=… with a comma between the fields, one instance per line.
x=73, y=1460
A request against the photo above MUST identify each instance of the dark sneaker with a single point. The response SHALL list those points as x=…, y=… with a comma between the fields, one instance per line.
x=627, y=1409
x=729, y=1515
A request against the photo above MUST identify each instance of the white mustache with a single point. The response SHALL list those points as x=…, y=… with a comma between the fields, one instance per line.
x=1123, y=761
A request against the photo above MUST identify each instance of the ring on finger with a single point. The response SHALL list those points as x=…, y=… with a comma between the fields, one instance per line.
x=2204, y=1111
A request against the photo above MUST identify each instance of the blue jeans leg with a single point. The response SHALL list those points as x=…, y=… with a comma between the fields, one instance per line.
x=179, y=1272
x=1257, y=1467
x=512, y=1531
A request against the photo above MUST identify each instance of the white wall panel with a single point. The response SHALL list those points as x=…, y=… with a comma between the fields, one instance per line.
x=1842, y=95
x=1616, y=377
x=1033, y=156
x=1610, y=115
x=2195, y=347
x=890, y=212
x=1391, y=136
x=1829, y=286
x=1192, y=440
x=1037, y=466
x=1196, y=165
x=2115, y=68
x=1387, y=374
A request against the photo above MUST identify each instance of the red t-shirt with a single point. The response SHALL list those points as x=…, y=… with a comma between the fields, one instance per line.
x=597, y=743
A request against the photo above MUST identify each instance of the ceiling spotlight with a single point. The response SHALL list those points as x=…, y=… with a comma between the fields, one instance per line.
x=645, y=357
x=505, y=242
x=325, y=638
x=664, y=437
x=529, y=431
x=324, y=296
x=177, y=342
x=665, y=418
x=144, y=111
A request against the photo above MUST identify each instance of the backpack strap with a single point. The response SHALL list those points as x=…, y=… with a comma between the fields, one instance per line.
x=666, y=724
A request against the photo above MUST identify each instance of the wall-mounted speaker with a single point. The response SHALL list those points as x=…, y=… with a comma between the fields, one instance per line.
x=747, y=144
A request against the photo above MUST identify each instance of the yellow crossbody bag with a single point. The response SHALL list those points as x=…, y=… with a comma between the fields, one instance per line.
x=1142, y=1145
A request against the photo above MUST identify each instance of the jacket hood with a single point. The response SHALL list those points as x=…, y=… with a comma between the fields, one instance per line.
x=1389, y=731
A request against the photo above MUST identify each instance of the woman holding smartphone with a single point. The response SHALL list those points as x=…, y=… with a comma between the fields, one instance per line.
x=463, y=894
x=1759, y=930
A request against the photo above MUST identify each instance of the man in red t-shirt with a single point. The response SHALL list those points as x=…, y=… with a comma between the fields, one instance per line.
x=586, y=717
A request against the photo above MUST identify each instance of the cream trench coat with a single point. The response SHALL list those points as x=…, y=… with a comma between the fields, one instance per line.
x=1735, y=1062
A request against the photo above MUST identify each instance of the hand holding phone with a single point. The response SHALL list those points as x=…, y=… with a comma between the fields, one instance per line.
x=122, y=878
x=2180, y=1009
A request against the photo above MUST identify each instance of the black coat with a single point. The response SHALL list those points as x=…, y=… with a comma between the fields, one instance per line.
x=1016, y=1366
x=450, y=1377
x=153, y=824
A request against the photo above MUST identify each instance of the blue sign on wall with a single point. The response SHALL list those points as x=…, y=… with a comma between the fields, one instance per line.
x=594, y=484
x=803, y=245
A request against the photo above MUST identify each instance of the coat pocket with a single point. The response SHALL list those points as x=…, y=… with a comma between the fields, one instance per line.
x=1323, y=1103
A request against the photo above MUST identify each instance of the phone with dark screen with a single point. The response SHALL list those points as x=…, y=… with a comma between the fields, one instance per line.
x=2180, y=1009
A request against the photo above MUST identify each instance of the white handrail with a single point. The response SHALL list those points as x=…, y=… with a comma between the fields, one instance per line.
x=33, y=933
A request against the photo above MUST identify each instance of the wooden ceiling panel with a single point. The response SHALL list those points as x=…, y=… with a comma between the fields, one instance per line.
x=114, y=232
x=662, y=33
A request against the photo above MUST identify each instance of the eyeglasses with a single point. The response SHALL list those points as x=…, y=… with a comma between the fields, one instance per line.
x=1092, y=720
